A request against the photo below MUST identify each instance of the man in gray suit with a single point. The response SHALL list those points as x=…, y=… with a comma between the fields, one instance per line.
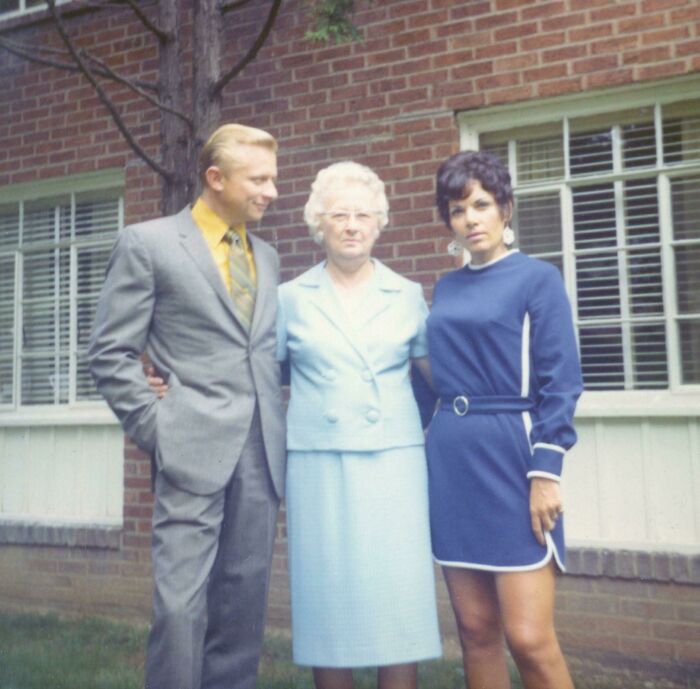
x=198, y=294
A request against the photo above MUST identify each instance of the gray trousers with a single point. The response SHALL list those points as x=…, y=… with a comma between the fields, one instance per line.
x=211, y=566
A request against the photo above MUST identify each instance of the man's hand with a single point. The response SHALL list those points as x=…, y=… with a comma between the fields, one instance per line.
x=545, y=506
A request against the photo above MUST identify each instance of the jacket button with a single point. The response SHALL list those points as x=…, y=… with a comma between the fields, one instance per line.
x=372, y=416
x=330, y=374
x=367, y=375
x=331, y=416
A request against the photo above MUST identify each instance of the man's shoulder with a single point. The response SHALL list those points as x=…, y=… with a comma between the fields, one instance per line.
x=162, y=224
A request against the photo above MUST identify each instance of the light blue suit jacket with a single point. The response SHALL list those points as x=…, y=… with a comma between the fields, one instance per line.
x=350, y=385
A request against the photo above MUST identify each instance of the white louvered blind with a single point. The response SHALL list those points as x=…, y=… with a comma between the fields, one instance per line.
x=604, y=197
x=53, y=255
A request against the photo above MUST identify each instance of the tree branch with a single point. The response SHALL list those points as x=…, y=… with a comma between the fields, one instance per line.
x=28, y=52
x=161, y=35
x=252, y=53
x=233, y=5
x=86, y=71
x=129, y=84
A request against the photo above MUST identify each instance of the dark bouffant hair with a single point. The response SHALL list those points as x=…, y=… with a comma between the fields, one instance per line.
x=455, y=175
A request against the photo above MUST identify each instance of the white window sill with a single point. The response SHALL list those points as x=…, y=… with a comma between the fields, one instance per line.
x=86, y=414
x=640, y=404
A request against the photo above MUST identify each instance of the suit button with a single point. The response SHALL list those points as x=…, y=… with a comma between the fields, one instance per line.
x=331, y=416
x=330, y=374
x=372, y=415
x=367, y=375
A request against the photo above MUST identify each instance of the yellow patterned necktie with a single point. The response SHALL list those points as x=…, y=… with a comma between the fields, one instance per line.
x=242, y=286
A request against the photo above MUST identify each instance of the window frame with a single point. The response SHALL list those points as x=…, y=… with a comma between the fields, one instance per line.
x=25, y=11
x=678, y=399
x=79, y=412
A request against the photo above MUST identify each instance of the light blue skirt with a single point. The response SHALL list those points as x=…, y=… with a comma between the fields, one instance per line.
x=361, y=571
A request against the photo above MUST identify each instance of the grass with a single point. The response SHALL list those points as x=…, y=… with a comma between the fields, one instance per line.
x=49, y=652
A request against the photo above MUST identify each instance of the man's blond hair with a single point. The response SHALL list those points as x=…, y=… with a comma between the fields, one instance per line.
x=222, y=146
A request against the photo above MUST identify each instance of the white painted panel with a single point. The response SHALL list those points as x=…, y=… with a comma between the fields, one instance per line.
x=62, y=473
x=622, y=487
x=580, y=485
x=671, y=481
x=634, y=483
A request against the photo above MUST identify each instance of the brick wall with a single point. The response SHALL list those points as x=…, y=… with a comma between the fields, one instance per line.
x=390, y=102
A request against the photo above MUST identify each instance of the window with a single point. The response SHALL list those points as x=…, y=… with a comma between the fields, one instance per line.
x=53, y=254
x=12, y=8
x=607, y=191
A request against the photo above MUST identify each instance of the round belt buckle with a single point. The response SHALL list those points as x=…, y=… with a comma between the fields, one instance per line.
x=460, y=405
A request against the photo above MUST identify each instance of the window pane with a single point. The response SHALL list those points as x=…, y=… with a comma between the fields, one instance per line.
x=85, y=388
x=540, y=159
x=681, y=131
x=690, y=351
x=41, y=221
x=590, y=150
x=594, y=217
x=44, y=380
x=601, y=357
x=641, y=211
x=649, y=363
x=688, y=279
x=597, y=286
x=9, y=226
x=645, y=282
x=9, y=5
x=500, y=150
x=537, y=219
x=639, y=141
x=97, y=214
x=685, y=205
x=7, y=329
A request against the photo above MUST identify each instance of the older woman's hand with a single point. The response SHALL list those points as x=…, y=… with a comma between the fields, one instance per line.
x=545, y=506
x=158, y=385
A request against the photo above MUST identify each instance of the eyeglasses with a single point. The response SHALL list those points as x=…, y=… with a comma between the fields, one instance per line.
x=363, y=218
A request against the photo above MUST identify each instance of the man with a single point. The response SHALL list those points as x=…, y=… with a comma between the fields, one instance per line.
x=198, y=294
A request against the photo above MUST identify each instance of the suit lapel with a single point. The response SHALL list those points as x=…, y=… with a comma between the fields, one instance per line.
x=266, y=269
x=194, y=244
x=323, y=298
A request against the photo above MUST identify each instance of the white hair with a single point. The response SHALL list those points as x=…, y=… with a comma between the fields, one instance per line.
x=337, y=176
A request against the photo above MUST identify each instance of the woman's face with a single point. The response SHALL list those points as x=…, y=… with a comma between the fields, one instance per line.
x=350, y=224
x=478, y=223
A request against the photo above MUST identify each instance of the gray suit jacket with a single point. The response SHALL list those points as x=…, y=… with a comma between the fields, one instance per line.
x=163, y=295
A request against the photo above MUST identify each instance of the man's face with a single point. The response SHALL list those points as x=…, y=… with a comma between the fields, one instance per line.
x=246, y=189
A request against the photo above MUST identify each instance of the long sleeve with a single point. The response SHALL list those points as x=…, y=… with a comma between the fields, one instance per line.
x=119, y=336
x=556, y=374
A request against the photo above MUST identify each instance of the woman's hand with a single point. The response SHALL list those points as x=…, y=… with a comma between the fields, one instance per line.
x=158, y=385
x=545, y=506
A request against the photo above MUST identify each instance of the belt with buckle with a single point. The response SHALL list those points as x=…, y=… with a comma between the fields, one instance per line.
x=495, y=404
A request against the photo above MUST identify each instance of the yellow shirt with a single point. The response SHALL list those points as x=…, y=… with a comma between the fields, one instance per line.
x=214, y=228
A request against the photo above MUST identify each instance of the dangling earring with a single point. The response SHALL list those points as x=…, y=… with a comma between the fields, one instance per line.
x=318, y=237
x=508, y=235
x=454, y=248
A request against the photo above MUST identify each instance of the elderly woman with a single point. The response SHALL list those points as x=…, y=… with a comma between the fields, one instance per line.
x=357, y=514
x=504, y=362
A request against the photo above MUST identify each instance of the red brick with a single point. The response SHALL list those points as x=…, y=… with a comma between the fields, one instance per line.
x=652, y=21
x=615, y=11
x=595, y=64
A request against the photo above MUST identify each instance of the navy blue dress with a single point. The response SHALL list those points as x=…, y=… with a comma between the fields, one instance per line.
x=505, y=364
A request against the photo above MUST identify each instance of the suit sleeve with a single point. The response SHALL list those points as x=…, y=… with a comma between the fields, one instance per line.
x=557, y=375
x=119, y=336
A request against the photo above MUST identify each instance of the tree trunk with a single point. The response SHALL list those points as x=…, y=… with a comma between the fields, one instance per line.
x=175, y=135
x=206, y=68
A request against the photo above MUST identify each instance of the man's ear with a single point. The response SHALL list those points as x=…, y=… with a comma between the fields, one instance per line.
x=214, y=177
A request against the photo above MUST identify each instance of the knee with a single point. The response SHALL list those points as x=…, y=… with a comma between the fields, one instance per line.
x=532, y=645
x=478, y=629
